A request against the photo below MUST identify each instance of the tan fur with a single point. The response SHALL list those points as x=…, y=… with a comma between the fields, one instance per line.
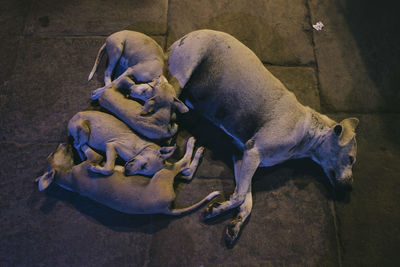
x=104, y=132
x=133, y=194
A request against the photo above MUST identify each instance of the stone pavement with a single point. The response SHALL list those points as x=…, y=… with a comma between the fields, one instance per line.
x=350, y=68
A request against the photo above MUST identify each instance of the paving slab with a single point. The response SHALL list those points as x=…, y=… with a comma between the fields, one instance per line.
x=13, y=15
x=7, y=61
x=49, y=87
x=291, y=224
x=277, y=31
x=57, y=227
x=301, y=81
x=96, y=17
x=357, y=55
x=12, y=18
x=369, y=221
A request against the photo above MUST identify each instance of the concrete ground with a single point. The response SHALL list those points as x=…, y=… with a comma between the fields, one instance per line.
x=349, y=68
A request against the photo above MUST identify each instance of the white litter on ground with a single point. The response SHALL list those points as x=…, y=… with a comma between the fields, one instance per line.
x=318, y=26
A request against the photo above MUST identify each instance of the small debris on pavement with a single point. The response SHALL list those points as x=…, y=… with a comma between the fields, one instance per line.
x=318, y=26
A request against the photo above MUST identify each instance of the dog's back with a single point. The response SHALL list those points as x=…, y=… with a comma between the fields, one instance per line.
x=137, y=48
x=103, y=128
x=225, y=81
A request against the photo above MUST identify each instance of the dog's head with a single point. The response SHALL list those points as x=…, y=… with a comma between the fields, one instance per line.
x=60, y=160
x=337, y=152
x=158, y=94
x=149, y=161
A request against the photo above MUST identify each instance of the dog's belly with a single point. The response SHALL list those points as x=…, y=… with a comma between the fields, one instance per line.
x=237, y=107
x=229, y=85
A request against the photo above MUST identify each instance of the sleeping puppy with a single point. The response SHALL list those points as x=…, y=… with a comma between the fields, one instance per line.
x=139, y=56
x=133, y=194
x=134, y=53
x=103, y=132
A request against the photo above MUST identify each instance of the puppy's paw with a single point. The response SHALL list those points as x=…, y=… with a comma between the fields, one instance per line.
x=199, y=153
x=96, y=94
x=190, y=142
x=172, y=129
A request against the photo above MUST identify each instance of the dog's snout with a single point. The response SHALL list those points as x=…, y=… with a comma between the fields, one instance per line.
x=130, y=168
x=346, y=183
x=332, y=174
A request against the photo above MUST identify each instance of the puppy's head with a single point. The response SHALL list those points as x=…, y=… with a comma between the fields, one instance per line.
x=163, y=96
x=337, y=153
x=149, y=161
x=143, y=91
x=60, y=160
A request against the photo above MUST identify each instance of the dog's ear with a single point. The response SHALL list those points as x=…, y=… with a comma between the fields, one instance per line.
x=45, y=180
x=180, y=106
x=160, y=79
x=345, y=130
x=167, y=151
x=148, y=107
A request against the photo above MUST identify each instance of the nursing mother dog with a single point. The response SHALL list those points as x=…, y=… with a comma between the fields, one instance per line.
x=224, y=81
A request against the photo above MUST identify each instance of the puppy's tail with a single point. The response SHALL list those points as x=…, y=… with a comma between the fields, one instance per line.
x=96, y=63
x=194, y=206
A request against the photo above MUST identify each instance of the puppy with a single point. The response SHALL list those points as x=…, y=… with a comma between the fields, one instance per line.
x=134, y=54
x=133, y=194
x=101, y=131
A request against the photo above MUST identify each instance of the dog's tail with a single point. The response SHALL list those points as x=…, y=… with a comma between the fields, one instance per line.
x=194, y=206
x=98, y=58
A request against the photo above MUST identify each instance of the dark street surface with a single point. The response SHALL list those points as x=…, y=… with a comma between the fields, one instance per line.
x=351, y=68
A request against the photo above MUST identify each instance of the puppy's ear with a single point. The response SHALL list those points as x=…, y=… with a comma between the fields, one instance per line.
x=178, y=105
x=148, y=107
x=45, y=180
x=167, y=151
x=160, y=79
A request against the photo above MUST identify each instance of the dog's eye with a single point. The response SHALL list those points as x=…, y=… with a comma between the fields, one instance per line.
x=351, y=160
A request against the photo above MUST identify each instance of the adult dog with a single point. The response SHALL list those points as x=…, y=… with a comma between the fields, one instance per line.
x=225, y=81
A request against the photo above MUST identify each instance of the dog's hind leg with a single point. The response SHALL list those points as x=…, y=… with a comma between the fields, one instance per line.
x=96, y=94
x=188, y=172
x=114, y=52
x=111, y=155
x=250, y=163
x=91, y=155
x=80, y=133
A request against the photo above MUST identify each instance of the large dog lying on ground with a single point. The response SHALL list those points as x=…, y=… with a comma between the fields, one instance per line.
x=225, y=81
x=133, y=194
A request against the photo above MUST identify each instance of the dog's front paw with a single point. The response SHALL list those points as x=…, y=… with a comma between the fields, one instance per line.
x=96, y=94
x=172, y=129
x=210, y=211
